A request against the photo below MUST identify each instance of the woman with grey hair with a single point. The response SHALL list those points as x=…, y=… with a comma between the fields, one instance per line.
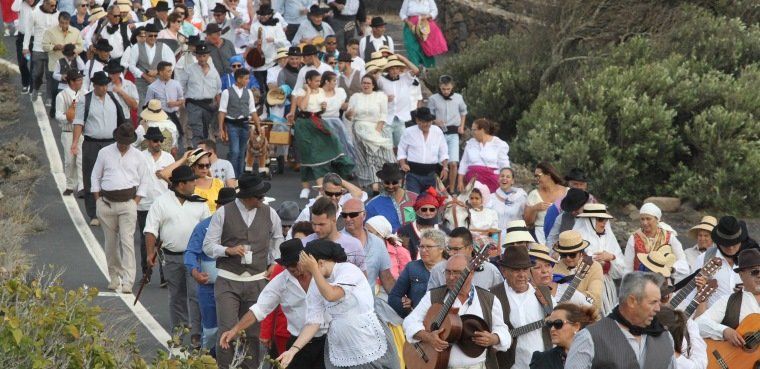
x=413, y=280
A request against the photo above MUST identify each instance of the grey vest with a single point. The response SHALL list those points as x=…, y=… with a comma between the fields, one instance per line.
x=612, y=350
x=235, y=232
x=142, y=57
x=351, y=87
x=238, y=106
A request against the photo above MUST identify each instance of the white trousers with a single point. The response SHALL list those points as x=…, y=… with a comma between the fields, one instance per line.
x=72, y=165
x=118, y=220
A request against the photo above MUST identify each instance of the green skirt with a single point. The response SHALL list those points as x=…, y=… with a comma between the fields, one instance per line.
x=320, y=151
x=414, y=50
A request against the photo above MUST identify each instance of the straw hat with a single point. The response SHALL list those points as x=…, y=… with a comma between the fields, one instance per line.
x=196, y=155
x=542, y=252
x=153, y=112
x=570, y=242
x=371, y=68
x=96, y=13
x=659, y=261
x=281, y=53
x=393, y=61
x=276, y=96
x=517, y=231
x=706, y=224
x=595, y=211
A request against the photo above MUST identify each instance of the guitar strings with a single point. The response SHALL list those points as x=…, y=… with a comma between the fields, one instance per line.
x=750, y=341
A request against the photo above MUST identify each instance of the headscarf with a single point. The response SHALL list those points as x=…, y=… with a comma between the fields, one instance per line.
x=485, y=193
x=429, y=197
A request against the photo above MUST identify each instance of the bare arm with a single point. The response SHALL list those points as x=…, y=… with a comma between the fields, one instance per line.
x=386, y=278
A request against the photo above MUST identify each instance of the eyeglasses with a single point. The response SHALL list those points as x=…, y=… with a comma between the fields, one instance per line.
x=570, y=255
x=556, y=324
x=755, y=273
x=427, y=210
x=332, y=63
x=455, y=248
x=421, y=247
x=351, y=215
x=152, y=36
x=84, y=6
x=331, y=43
x=389, y=183
x=182, y=14
x=203, y=166
x=538, y=175
x=235, y=66
x=333, y=194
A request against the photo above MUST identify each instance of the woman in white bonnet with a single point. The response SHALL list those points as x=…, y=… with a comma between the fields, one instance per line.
x=652, y=235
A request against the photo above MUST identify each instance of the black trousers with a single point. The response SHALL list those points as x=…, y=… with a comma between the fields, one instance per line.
x=311, y=356
x=290, y=31
x=261, y=78
x=142, y=215
x=23, y=65
x=90, y=150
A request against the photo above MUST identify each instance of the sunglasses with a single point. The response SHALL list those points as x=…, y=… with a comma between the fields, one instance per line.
x=570, y=255
x=427, y=210
x=151, y=36
x=84, y=6
x=235, y=66
x=333, y=194
x=159, y=141
x=351, y=215
x=556, y=324
x=389, y=183
x=331, y=43
x=203, y=166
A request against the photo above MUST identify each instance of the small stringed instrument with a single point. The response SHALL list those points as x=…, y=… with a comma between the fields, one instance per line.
x=724, y=355
x=422, y=355
x=707, y=271
x=701, y=297
x=255, y=57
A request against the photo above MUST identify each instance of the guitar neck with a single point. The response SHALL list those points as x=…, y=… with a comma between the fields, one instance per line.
x=530, y=327
x=691, y=308
x=448, y=301
x=571, y=288
x=678, y=298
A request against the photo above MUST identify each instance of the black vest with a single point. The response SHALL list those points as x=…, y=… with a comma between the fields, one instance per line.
x=369, y=47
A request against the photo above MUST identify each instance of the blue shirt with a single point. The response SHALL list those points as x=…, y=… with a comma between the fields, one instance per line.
x=194, y=250
x=376, y=258
x=397, y=215
x=412, y=283
x=229, y=79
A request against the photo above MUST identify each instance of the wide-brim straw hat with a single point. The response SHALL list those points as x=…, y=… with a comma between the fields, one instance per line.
x=281, y=53
x=706, y=224
x=371, y=68
x=659, y=261
x=393, y=61
x=595, y=211
x=570, y=242
x=153, y=112
x=517, y=231
x=96, y=13
x=540, y=251
x=276, y=96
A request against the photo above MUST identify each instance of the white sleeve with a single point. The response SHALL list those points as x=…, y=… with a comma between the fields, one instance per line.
x=251, y=102
x=413, y=322
x=433, y=9
x=153, y=220
x=362, y=46
x=223, y=100
x=391, y=46
x=315, y=305
x=403, y=145
x=403, y=12
x=97, y=173
x=269, y=298
x=709, y=322
x=698, y=352
x=629, y=255
x=60, y=109
x=212, y=242
x=500, y=328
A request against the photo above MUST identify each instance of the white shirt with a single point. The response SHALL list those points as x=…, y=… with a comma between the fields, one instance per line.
x=350, y=8
x=696, y=358
x=606, y=242
x=39, y=22
x=411, y=8
x=709, y=322
x=525, y=309
x=268, y=48
x=63, y=101
x=692, y=253
x=212, y=246
x=115, y=40
x=155, y=186
x=239, y=92
x=358, y=63
x=163, y=125
x=116, y=171
x=414, y=147
x=376, y=42
x=272, y=74
x=59, y=77
x=174, y=222
x=413, y=323
x=400, y=89
x=577, y=297
x=150, y=52
x=286, y=291
x=510, y=206
x=298, y=88
x=492, y=154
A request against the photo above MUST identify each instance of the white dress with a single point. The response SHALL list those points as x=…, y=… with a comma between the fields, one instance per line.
x=356, y=338
x=534, y=197
x=509, y=206
x=605, y=242
x=331, y=116
x=375, y=147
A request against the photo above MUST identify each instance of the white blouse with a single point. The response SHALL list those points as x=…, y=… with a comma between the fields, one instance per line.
x=411, y=8
x=493, y=154
x=509, y=206
x=315, y=101
x=369, y=107
x=484, y=219
x=334, y=103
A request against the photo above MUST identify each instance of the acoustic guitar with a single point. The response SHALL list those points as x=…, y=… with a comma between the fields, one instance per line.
x=724, y=355
x=255, y=56
x=422, y=355
x=701, y=297
x=707, y=271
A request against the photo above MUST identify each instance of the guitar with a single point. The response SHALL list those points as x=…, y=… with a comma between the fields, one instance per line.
x=422, y=355
x=255, y=57
x=701, y=297
x=707, y=271
x=583, y=269
x=724, y=355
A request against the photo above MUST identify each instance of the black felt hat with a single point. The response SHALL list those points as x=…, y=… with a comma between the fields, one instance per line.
x=226, y=195
x=113, y=66
x=390, y=172
x=161, y=6
x=377, y=22
x=100, y=78
x=153, y=134
x=125, y=134
x=516, y=257
x=103, y=45
x=574, y=200
x=290, y=251
x=728, y=232
x=576, y=174
x=183, y=173
x=326, y=250
x=252, y=185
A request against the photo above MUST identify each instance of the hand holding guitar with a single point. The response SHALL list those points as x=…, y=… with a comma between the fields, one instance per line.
x=732, y=336
x=434, y=339
x=485, y=339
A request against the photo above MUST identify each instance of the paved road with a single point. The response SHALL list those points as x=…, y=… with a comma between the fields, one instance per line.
x=61, y=244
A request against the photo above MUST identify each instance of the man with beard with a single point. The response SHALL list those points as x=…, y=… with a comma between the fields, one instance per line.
x=115, y=30
x=289, y=73
x=630, y=337
x=349, y=78
x=396, y=204
x=323, y=219
x=425, y=216
x=450, y=113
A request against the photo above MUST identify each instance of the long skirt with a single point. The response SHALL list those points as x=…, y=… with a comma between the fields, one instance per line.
x=609, y=295
x=320, y=150
x=374, y=155
x=422, y=52
x=390, y=360
x=339, y=129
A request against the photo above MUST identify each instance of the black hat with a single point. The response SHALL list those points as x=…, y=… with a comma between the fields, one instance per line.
x=183, y=173
x=113, y=66
x=294, y=51
x=100, y=78
x=202, y=48
x=390, y=172
x=73, y=75
x=576, y=174
x=309, y=50
x=212, y=28
x=161, y=6
x=288, y=212
x=290, y=251
x=265, y=10
x=424, y=114
x=316, y=10
x=226, y=195
x=219, y=8
x=377, y=22
x=747, y=259
x=194, y=40
x=103, y=45
x=516, y=257
x=125, y=134
x=151, y=28
x=344, y=57
x=153, y=133
x=728, y=232
x=574, y=200
x=251, y=185
x=326, y=250
x=69, y=49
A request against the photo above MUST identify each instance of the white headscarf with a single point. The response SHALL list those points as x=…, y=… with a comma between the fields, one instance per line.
x=653, y=210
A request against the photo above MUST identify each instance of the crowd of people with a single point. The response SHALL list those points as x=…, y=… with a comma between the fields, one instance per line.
x=407, y=218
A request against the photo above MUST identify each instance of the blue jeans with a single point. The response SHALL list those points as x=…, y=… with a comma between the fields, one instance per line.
x=208, y=314
x=416, y=183
x=238, y=136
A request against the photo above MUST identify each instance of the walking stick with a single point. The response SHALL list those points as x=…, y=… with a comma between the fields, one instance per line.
x=146, y=277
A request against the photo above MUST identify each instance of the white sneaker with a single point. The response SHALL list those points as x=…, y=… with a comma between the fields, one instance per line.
x=126, y=290
x=95, y=222
x=114, y=285
x=304, y=193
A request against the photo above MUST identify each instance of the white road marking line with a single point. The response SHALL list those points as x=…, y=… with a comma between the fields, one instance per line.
x=92, y=244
